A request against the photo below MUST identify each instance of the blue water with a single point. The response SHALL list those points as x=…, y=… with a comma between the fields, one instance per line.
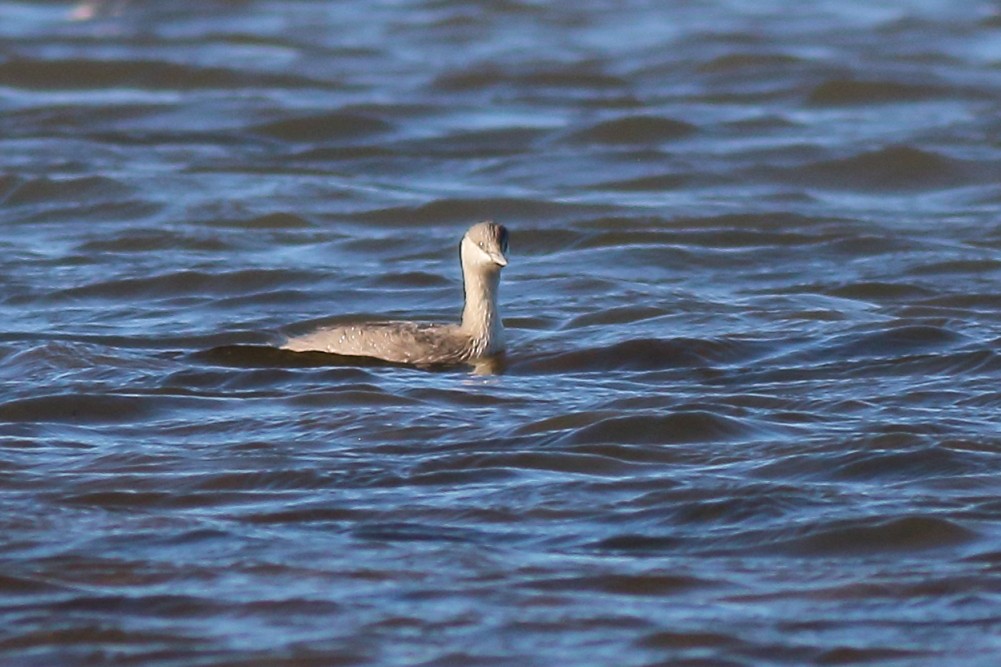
x=748, y=413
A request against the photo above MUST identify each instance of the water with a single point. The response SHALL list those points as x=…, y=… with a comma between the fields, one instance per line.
x=749, y=412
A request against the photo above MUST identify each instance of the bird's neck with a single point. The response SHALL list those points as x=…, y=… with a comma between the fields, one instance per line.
x=480, y=318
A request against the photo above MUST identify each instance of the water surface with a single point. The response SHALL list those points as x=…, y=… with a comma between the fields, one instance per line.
x=749, y=414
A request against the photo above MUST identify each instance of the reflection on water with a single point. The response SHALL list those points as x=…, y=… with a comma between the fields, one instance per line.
x=748, y=411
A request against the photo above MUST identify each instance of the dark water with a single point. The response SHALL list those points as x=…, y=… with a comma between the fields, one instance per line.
x=750, y=414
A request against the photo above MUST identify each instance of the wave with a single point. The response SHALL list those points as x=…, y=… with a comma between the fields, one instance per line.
x=188, y=282
x=894, y=168
x=20, y=191
x=481, y=76
x=893, y=342
x=76, y=408
x=740, y=63
x=647, y=354
x=466, y=210
x=82, y=73
x=878, y=535
x=634, y=130
x=338, y=126
x=675, y=428
x=836, y=92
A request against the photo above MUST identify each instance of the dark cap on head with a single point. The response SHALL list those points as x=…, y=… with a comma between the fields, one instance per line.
x=489, y=233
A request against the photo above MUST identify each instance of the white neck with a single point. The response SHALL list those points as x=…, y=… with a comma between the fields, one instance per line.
x=480, y=317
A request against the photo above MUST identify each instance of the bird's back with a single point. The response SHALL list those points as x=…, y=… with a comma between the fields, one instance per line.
x=401, y=342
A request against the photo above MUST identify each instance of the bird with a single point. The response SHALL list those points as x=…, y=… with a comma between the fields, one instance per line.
x=478, y=337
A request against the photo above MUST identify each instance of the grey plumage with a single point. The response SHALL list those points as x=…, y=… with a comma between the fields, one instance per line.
x=480, y=334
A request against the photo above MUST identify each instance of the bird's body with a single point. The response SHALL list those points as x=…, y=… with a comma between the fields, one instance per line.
x=480, y=335
x=400, y=342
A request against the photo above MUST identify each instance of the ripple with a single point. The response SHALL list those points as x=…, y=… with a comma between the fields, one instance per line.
x=416, y=532
x=89, y=637
x=82, y=73
x=260, y=481
x=25, y=192
x=482, y=76
x=323, y=127
x=906, y=534
x=676, y=428
x=150, y=240
x=637, y=543
x=959, y=266
x=647, y=354
x=647, y=583
x=634, y=130
x=740, y=62
x=899, y=168
x=184, y=282
x=478, y=144
x=276, y=220
x=878, y=290
x=16, y=585
x=466, y=210
x=620, y=315
x=922, y=462
x=647, y=183
x=893, y=342
x=83, y=408
x=853, y=92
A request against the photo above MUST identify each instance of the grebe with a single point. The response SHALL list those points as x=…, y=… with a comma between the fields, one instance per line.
x=479, y=336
